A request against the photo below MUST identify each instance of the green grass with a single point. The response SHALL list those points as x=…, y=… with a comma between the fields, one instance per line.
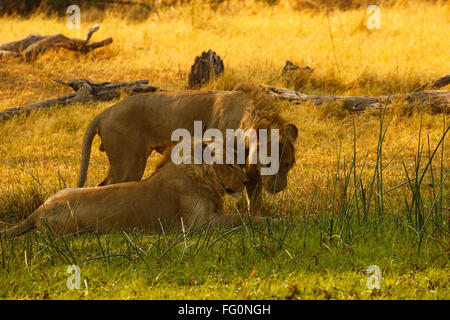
x=221, y=265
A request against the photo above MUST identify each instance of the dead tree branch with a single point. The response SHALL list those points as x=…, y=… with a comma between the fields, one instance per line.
x=437, y=101
x=433, y=100
x=85, y=91
x=30, y=47
x=435, y=83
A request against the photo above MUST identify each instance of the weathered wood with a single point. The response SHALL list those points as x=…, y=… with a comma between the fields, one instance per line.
x=289, y=67
x=85, y=91
x=434, y=100
x=207, y=65
x=435, y=83
x=30, y=47
x=20, y=45
x=6, y=54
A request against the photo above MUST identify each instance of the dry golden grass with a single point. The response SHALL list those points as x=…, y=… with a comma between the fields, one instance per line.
x=254, y=41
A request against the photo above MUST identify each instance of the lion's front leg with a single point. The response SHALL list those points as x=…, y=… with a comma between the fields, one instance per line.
x=254, y=190
x=234, y=220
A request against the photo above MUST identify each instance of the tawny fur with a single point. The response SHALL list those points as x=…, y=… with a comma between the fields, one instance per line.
x=172, y=195
x=137, y=125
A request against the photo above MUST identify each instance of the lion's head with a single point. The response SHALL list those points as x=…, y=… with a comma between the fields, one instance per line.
x=265, y=114
x=231, y=178
x=223, y=177
x=219, y=178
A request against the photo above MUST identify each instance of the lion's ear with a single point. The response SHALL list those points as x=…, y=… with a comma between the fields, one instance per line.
x=292, y=131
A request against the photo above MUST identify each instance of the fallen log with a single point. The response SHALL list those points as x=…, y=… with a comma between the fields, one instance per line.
x=85, y=91
x=435, y=83
x=437, y=101
x=434, y=100
x=30, y=47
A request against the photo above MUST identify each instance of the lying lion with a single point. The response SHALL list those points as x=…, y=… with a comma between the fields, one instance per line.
x=173, y=195
x=131, y=129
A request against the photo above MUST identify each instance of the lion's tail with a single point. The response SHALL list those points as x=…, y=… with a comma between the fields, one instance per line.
x=19, y=229
x=89, y=135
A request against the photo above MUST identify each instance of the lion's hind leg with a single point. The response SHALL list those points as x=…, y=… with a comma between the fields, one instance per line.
x=110, y=178
x=126, y=167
